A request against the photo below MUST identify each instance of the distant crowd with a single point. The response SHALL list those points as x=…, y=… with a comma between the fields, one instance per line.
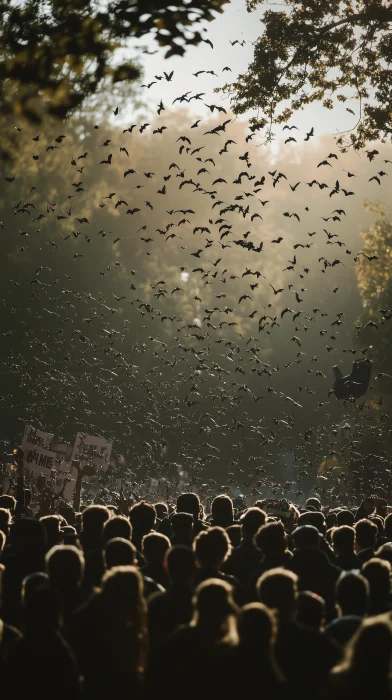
x=166, y=600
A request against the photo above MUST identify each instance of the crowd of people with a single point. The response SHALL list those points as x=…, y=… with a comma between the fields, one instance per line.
x=167, y=600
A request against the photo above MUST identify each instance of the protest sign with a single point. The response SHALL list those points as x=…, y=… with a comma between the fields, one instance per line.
x=37, y=455
x=279, y=508
x=91, y=449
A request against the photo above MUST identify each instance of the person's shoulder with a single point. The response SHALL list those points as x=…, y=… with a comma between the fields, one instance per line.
x=156, y=600
x=182, y=635
x=151, y=586
x=233, y=580
x=10, y=633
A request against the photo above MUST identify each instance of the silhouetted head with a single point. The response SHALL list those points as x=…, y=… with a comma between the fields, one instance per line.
x=344, y=517
x=256, y=627
x=180, y=564
x=214, y=606
x=343, y=539
x=162, y=510
x=251, y=521
x=234, y=534
x=117, y=526
x=378, y=575
x=368, y=654
x=314, y=502
x=278, y=590
x=154, y=548
x=189, y=503
x=272, y=539
x=352, y=593
x=119, y=552
x=52, y=524
x=143, y=517
x=222, y=511
x=310, y=609
x=182, y=527
x=8, y=502
x=212, y=547
x=65, y=567
x=5, y=521
x=93, y=520
x=315, y=518
x=366, y=534
x=306, y=537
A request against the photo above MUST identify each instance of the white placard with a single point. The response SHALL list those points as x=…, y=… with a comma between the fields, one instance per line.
x=37, y=457
x=91, y=449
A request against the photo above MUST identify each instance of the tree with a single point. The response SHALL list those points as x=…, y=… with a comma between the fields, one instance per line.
x=374, y=275
x=55, y=54
x=317, y=51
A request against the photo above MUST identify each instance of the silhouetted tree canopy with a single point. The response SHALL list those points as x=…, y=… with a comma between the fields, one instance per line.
x=322, y=51
x=54, y=54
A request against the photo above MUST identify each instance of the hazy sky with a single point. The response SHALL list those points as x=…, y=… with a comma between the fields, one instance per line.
x=234, y=23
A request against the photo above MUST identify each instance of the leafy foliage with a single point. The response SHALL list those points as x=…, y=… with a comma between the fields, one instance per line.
x=55, y=54
x=375, y=286
x=322, y=50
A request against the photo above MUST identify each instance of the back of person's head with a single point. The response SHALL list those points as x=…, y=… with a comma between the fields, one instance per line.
x=189, y=503
x=330, y=520
x=271, y=538
x=8, y=502
x=52, y=524
x=256, y=627
x=368, y=654
x=343, y=539
x=384, y=552
x=310, y=609
x=214, y=605
x=154, y=547
x=30, y=584
x=345, y=517
x=388, y=527
x=143, y=517
x=41, y=614
x=212, y=547
x=222, y=510
x=251, y=521
x=93, y=520
x=379, y=521
x=117, y=526
x=352, y=593
x=67, y=512
x=316, y=519
x=366, y=534
x=278, y=590
x=122, y=589
x=182, y=526
x=65, y=567
x=5, y=521
x=180, y=564
x=119, y=552
x=378, y=575
x=162, y=510
x=28, y=536
x=314, y=503
x=234, y=534
x=306, y=537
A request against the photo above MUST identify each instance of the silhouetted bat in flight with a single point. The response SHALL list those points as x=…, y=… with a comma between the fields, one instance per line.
x=355, y=384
